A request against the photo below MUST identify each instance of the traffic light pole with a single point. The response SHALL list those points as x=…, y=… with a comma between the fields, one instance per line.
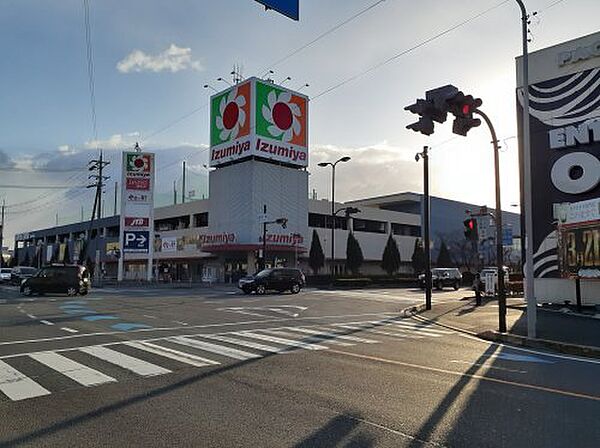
x=426, y=225
x=499, y=246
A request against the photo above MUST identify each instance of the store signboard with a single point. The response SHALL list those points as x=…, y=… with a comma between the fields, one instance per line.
x=564, y=146
x=137, y=200
x=579, y=253
x=257, y=118
x=168, y=244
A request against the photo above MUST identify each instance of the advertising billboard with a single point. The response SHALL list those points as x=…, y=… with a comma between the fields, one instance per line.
x=257, y=118
x=565, y=143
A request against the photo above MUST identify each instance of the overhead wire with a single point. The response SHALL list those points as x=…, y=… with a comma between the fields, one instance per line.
x=323, y=35
x=408, y=50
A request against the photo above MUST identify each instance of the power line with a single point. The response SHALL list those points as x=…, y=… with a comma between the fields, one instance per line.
x=41, y=187
x=409, y=50
x=42, y=170
x=90, y=66
x=322, y=35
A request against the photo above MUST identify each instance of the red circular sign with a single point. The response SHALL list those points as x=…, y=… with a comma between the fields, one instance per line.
x=282, y=116
x=231, y=115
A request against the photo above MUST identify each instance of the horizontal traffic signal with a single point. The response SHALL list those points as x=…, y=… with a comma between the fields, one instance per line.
x=436, y=105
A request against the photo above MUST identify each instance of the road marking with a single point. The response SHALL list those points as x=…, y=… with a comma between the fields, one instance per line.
x=249, y=344
x=224, y=324
x=70, y=330
x=17, y=386
x=282, y=341
x=471, y=375
x=472, y=337
x=86, y=376
x=171, y=353
x=185, y=324
x=385, y=333
x=31, y=316
x=311, y=339
x=482, y=364
x=214, y=348
x=149, y=317
x=334, y=335
x=127, y=362
x=46, y=322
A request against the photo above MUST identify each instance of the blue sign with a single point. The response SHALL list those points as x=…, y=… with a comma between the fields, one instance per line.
x=289, y=8
x=136, y=241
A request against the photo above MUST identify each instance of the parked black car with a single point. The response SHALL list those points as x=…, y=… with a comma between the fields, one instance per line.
x=276, y=279
x=20, y=273
x=70, y=280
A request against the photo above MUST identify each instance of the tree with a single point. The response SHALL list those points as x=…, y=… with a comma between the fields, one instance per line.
x=418, y=257
x=390, y=261
x=354, y=255
x=444, y=259
x=316, y=256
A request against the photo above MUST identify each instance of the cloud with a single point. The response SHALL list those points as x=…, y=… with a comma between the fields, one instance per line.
x=115, y=141
x=5, y=160
x=373, y=170
x=173, y=59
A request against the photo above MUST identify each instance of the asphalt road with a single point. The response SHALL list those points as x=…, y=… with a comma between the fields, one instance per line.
x=214, y=368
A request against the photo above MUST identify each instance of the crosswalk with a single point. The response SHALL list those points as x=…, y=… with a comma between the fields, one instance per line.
x=30, y=375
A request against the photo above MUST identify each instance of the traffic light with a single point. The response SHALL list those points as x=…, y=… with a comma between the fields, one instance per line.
x=440, y=97
x=471, y=229
x=424, y=109
x=462, y=107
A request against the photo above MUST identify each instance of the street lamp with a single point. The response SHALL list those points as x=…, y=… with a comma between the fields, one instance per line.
x=333, y=165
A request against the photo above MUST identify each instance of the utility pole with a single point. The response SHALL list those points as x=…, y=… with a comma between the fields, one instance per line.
x=116, y=189
x=526, y=198
x=2, y=231
x=96, y=166
x=183, y=185
x=426, y=224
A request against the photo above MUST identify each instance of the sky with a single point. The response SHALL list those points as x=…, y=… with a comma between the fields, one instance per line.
x=152, y=58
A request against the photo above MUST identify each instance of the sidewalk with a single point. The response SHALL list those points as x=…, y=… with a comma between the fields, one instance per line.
x=568, y=333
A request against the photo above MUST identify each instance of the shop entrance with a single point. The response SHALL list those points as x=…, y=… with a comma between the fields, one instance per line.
x=235, y=268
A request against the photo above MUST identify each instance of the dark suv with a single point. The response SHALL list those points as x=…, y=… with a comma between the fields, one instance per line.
x=70, y=280
x=277, y=279
x=20, y=273
x=441, y=277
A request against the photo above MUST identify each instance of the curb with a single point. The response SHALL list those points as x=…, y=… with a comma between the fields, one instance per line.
x=513, y=339
x=523, y=341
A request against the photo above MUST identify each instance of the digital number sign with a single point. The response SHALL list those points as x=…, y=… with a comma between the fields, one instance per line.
x=579, y=248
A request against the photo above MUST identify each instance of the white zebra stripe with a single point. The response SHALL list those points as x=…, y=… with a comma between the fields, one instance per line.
x=130, y=363
x=17, y=386
x=214, y=348
x=86, y=376
x=167, y=352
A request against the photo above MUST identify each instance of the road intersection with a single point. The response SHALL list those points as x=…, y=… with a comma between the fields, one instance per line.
x=321, y=368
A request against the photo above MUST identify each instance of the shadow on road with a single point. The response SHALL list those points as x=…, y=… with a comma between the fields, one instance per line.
x=343, y=423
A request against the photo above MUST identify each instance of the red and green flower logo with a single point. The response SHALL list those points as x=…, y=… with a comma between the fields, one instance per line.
x=230, y=114
x=280, y=114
